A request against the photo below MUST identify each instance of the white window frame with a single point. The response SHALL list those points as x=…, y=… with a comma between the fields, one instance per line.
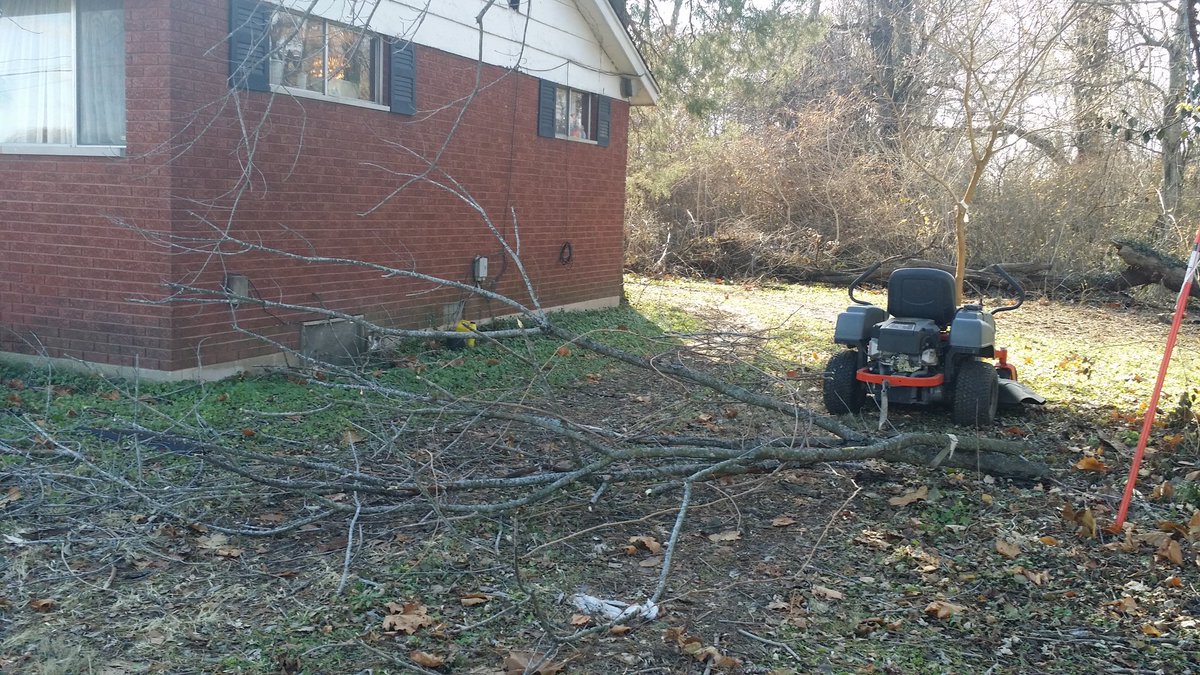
x=593, y=115
x=378, y=57
x=73, y=149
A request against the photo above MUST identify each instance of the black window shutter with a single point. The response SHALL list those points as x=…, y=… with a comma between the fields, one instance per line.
x=249, y=44
x=604, y=121
x=402, y=82
x=546, y=91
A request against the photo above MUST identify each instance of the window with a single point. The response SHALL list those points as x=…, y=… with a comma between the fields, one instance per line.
x=574, y=114
x=62, y=72
x=326, y=58
x=569, y=113
x=270, y=47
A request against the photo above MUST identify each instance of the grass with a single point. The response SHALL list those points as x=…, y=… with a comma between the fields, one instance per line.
x=275, y=602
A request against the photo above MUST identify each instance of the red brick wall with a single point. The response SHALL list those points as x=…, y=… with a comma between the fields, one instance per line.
x=67, y=267
x=316, y=166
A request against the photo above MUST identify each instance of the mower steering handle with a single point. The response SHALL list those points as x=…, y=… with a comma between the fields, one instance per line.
x=861, y=278
x=1011, y=282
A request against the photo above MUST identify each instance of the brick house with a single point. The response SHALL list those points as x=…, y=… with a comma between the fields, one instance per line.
x=129, y=124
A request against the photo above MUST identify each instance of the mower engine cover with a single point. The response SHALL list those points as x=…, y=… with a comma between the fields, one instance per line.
x=907, y=336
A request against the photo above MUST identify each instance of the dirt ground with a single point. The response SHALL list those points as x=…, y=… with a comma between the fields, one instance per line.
x=858, y=567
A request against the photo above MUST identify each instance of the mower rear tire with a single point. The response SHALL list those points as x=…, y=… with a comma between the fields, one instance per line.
x=976, y=395
x=842, y=391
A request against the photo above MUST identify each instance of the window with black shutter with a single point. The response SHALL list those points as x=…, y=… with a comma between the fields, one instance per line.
x=573, y=114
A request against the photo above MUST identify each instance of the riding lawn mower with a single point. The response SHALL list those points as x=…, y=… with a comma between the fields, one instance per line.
x=923, y=351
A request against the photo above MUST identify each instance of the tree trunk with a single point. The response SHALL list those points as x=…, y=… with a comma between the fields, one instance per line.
x=1173, y=158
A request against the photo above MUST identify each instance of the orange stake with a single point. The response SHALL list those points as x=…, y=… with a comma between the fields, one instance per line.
x=1152, y=407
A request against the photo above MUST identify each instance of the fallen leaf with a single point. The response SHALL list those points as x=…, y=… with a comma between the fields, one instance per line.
x=473, y=599
x=1173, y=582
x=917, y=495
x=987, y=499
x=943, y=610
x=1048, y=540
x=1170, y=551
x=1126, y=605
x=229, y=552
x=111, y=395
x=783, y=521
x=827, y=593
x=529, y=663
x=13, y=494
x=619, y=630
x=271, y=518
x=1091, y=464
x=1173, y=527
x=563, y=351
x=249, y=433
x=580, y=619
x=407, y=618
x=1007, y=548
x=43, y=604
x=212, y=541
x=351, y=437
x=1151, y=630
x=1164, y=491
x=727, y=535
x=649, y=543
x=652, y=561
x=427, y=660
x=1037, y=578
x=1084, y=519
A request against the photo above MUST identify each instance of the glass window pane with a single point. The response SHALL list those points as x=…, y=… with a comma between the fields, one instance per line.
x=579, y=115
x=562, y=118
x=36, y=72
x=349, y=73
x=287, y=50
x=311, y=72
x=101, y=64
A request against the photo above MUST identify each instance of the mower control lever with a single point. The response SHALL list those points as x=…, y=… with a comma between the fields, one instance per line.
x=863, y=277
x=1011, y=282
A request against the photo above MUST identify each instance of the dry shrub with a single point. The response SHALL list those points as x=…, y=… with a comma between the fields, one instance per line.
x=1064, y=216
x=795, y=194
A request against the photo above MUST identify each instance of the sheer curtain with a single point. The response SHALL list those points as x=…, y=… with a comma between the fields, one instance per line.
x=36, y=78
x=101, y=64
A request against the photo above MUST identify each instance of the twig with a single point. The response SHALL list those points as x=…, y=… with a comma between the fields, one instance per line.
x=765, y=641
x=673, y=542
x=828, y=526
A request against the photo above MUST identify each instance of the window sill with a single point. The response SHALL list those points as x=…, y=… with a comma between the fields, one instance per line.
x=305, y=93
x=586, y=141
x=62, y=150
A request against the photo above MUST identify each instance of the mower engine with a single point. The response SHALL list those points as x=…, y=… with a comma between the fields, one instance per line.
x=905, y=346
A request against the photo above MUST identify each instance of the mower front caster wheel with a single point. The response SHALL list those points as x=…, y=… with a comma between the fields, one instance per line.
x=976, y=395
x=842, y=391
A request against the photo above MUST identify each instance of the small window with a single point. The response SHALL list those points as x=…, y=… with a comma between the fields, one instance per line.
x=323, y=57
x=574, y=114
x=62, y=72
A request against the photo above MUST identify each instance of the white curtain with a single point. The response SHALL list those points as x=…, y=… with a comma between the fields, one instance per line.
x=101, y=64
x=36, y=78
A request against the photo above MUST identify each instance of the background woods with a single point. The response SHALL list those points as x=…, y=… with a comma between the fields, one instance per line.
x=798, y=136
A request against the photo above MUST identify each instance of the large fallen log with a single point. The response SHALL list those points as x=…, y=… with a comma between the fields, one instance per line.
x=1145, y=266
x=1028, y=273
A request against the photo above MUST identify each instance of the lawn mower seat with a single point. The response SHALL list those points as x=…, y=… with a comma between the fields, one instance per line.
x=922, y=293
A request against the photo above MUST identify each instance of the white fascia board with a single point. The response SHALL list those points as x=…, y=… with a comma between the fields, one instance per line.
x=577, y=43
x=615, y=40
